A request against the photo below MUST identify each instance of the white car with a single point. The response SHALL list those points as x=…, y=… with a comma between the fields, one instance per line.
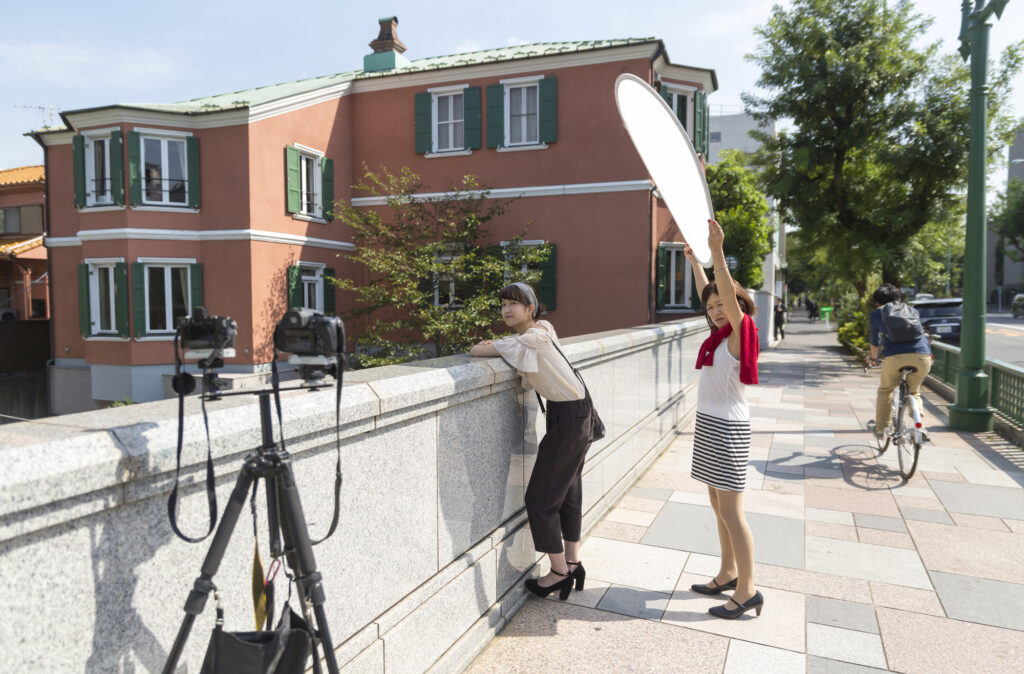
x=923, y=296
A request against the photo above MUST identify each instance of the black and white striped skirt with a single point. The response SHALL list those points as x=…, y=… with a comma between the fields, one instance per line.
x=720, y=452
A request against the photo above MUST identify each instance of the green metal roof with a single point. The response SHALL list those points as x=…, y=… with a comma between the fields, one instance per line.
x=273, y=92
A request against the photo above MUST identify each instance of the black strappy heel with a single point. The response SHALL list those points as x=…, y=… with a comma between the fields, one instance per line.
x=579, y=573
x=717, y=589
x=563, y=586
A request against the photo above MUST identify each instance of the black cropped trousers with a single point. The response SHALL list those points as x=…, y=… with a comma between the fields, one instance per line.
x=554, y=495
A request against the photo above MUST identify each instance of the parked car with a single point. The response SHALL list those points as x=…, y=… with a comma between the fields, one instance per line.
x=941, y=318
x=923, y=296
x=1017, y=307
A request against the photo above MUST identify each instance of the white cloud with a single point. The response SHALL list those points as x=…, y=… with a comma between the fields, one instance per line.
x=86, y=66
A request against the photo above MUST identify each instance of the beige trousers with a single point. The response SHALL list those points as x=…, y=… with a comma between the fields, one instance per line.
x=891, y=379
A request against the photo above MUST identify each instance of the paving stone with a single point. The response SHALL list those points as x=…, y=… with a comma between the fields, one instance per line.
x=634, y=517
x=922, y=515
x=975, y=499
x=868, y=502
x=809, y=582
x=970, y=552
x=777, y=540
x=651, y=493
x=767, y=503
x=917, y=492
x=618, y=531
x=634, y=602
x=747, y=658
x=845, y=645
x=944, y=477
x=1016, y=526
x=920, y=643
x=631, y=564
x=845, y=614
x=979, y=522
x=781, y=471
x=817, y=665
x=590, y=596
x=781, y=623
x=891, y=538
x=829, y=530
x=878, y=522
x=702, y=565
x=917, y=502
x=906, y=599
x=700, y=499
x=866, y=561
x=638, y=503
x=833, y=516
x=977, y=600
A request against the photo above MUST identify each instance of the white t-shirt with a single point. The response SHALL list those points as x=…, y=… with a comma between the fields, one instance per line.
x=540, y=364
x=720, y=393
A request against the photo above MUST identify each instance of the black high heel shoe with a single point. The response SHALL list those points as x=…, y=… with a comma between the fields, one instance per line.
x=756, y=602
x=563, y=586
x=702, y=588
x=579, y=573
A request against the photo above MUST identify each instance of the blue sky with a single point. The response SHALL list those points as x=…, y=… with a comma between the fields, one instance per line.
x=71, y=54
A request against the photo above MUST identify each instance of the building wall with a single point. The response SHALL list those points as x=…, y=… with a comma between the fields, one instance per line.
x=1012, y=280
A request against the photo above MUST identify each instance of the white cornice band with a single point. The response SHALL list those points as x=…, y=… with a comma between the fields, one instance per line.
x=515, y=192
x=141, y=234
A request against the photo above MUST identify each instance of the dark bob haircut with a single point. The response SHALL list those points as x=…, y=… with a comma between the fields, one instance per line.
x=886, y=293
x=742, y=296
x=517, y=294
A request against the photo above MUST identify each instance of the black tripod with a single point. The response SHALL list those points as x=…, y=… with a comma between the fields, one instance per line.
x=285, y=520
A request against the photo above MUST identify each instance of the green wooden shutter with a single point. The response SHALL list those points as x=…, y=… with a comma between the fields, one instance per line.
x=549, y=110
x=196, y=284
x=294, y=287
x=121, y=298
x=473, y=118
x=495, y=115
x=328, y=292
x=327, y=190
x=84, y=318
x=78, y=158
x=117, y=170
x=699, y=123
x=424, y=137
x=139, y=298
x=666, y=94
x=293, y=179
x=547, y=285
x=707, y=126
x=192, y=152
x=694, y=295
x=681, y=101
x=134, y=169
x=661, y=278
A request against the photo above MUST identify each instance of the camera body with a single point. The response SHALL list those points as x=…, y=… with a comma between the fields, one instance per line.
x=305, y=332
x=200, y=331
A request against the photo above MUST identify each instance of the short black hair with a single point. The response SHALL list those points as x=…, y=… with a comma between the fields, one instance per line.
x=886, y=293
x=517, y=294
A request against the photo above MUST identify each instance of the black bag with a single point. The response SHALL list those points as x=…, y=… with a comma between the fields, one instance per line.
x=285, y=650
x=901, y=322
x=597, y=430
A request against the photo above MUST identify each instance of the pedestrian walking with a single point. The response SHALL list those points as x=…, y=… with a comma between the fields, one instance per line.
x=780, y=320
x=554, y=496
x=721, y=440
x=812, y=307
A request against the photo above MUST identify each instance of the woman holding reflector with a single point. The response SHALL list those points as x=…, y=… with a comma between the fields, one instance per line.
x=721, y=439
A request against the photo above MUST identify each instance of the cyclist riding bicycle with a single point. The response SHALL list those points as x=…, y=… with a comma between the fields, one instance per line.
x=895, y=333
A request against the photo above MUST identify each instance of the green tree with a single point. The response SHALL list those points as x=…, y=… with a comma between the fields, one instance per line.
x=878, y=145
x=1006, y=219
x=742, y=210
x=417, y=249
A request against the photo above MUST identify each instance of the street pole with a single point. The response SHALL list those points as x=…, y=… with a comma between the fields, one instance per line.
x=971, y=411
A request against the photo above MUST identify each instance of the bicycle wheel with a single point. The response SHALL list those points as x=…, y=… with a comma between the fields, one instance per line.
x=881, y=443
x=907, y=448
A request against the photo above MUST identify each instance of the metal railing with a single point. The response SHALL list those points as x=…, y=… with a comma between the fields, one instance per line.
x=1006, y=381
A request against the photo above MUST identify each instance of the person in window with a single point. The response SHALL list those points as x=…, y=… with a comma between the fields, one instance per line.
x=554, y=496
x=721, y=439
x=896, y=354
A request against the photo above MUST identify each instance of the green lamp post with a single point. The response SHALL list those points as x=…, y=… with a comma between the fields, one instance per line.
x=971, y=411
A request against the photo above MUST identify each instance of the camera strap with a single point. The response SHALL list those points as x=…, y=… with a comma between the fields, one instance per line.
x=211, y=494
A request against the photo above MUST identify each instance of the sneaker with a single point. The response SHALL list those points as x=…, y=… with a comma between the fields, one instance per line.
x=875, y=430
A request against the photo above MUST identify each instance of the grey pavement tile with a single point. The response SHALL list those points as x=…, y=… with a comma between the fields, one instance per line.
x=778, y=471
x=976, y=499
x=880, y=522
x=845, y=614
x=833, y=516
x=681, y=526
x=651, y=492
x=795, y=458
x=817, y=665
x=979, y=600
x=845, y=645
x=632, y=564
x=634, y=602
x=895, y=566
x=747, y=658
x=924, y=515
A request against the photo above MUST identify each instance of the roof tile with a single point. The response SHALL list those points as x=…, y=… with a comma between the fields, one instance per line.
x=22, y=175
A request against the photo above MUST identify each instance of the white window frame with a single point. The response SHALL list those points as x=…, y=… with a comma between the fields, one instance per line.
x=89, y=139
x=447, y=92
x=675, y=256
x=677, y=90
x=437, y=280
x=516, y=83
x=317, y=178
x=167, y=264
x=95, y=264
x=164, y=136
x=526, y=242
x=317, y=282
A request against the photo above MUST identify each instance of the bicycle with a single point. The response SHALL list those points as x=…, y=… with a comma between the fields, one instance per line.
x=904, y=426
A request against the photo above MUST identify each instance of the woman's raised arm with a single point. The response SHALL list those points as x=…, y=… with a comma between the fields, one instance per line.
x=723, y=279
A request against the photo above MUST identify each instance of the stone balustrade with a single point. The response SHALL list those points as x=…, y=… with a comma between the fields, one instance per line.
x=428, y=560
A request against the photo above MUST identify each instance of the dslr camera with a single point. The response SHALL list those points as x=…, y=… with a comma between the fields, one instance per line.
x=316, y=342
x=203, y=335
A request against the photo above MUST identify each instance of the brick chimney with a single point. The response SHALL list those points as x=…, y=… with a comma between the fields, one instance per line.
x=387, y=48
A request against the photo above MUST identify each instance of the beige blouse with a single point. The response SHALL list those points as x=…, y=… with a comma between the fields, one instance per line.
x=540, y=364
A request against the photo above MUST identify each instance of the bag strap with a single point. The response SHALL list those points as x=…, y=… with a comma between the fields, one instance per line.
x=586, y=391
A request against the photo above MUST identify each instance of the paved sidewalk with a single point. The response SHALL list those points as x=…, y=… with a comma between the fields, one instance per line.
x=860, y=571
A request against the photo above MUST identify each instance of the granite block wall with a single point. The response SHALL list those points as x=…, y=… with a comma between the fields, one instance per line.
x=432, y=546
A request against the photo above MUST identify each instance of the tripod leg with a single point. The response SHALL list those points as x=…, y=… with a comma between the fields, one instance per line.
x=299, y=551
x=201, y=590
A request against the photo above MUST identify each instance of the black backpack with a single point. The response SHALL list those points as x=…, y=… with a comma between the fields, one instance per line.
x=901, y=322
